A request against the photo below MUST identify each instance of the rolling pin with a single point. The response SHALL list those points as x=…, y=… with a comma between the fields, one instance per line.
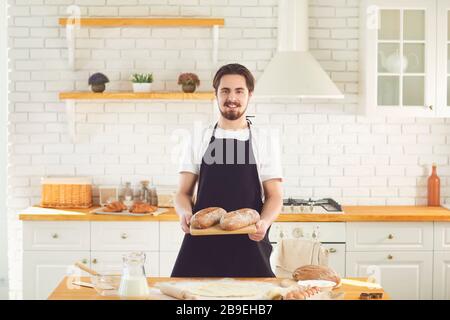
x=84, y=267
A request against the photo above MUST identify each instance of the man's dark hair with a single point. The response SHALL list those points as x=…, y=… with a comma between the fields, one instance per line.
x=234, y=68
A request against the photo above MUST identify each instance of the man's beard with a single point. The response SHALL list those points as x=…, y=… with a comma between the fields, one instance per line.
x=232, y=114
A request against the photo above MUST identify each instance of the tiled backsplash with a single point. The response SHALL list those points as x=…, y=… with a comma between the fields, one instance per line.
x=328, y=150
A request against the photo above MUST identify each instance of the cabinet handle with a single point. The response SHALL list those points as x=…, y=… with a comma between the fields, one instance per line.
x=55, y=236
x=332, y=250
x=390, y=257
x=94, y=261
x=124, y=236
x=430, y=107
x=391, y=236
x=281, y=234
x=84, y=261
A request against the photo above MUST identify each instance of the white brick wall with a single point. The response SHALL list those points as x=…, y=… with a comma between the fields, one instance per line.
x=328, y=151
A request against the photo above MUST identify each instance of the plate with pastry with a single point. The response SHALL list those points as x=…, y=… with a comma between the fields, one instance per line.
x=216, y=221
x=137, y=209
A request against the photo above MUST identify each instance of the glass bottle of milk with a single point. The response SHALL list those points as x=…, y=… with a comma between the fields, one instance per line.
x=133, y=283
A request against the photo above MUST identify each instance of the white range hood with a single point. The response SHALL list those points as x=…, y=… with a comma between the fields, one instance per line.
x=293, y=72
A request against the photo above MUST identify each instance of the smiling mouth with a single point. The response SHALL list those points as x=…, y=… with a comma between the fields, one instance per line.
x=232, y=106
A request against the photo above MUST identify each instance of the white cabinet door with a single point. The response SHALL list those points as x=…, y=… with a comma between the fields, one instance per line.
x=336, y=257
x=392, y=236
x=443, y=58
x=166, y=262
x=125, y=236
x=398, y=60
x=44, y=270
x=403, y=275
x=441, y=236
x=58, y=236
x=107, y=261
x=441, y=275
x=170, y=236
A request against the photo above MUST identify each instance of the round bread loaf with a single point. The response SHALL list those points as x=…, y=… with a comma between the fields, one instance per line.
x=207, y=217
x=314, y=272
x=238, y=219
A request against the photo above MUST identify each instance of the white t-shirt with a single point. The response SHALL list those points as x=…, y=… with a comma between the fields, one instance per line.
x=265, y=142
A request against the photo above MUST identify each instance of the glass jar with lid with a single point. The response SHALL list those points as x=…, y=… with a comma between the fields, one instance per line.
x=127, y=195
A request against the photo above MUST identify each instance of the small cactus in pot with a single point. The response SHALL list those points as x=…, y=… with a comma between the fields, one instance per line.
x=97, y=82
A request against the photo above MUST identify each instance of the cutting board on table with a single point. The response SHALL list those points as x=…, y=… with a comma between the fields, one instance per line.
x=216, y=230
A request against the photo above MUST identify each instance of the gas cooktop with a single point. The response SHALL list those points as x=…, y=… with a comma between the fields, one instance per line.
x=326, y=205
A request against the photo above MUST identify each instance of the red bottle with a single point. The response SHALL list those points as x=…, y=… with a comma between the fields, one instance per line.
x=434, y=188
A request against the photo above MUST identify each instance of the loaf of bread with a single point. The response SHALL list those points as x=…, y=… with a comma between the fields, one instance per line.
x=207, y=217
x=238, y=219
x=313, y=272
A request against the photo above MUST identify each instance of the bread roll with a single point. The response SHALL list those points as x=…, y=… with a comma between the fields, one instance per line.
x=115, y=206
x=141, y=207
x=313, y=272
x=238, y=219
x=207, y=217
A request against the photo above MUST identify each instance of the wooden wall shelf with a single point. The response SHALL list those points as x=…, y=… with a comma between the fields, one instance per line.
x=141, y=22
x=123, y=95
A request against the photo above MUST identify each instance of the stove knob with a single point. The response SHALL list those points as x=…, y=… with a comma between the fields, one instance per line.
x=297, y=233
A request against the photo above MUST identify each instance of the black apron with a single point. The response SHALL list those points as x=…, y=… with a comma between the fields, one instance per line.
x=230, y=185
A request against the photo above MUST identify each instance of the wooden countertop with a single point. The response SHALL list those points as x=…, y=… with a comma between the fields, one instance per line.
x=63, y=292
x=351, y=213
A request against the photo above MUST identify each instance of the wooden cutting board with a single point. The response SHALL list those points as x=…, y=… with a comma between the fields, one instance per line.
x=216, y=230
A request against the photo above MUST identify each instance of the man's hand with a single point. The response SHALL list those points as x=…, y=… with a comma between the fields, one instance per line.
x=261, y=229
x=185, y=221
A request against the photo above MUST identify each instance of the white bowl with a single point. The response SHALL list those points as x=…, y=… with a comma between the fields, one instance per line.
x=323, y=285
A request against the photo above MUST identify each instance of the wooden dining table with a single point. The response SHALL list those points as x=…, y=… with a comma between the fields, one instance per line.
x=66, y=290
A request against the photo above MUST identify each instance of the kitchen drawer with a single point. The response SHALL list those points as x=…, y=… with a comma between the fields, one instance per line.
x=322, y=231
x=442, y=236
x=170, y=236
x=125, y=236
x=56, y=236
x=379, y=236
x=110, y=261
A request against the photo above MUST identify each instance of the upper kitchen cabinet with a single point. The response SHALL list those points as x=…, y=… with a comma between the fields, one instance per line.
x=443, y=58
x=398, y=56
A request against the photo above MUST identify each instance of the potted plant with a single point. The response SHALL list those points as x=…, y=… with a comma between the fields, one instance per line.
x=97, y=82
x=188, y=82
x=142, y=82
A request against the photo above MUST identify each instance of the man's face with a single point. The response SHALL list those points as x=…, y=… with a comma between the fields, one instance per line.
x=233, y=96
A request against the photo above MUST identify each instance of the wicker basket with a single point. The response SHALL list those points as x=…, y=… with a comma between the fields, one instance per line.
x=66, y=192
